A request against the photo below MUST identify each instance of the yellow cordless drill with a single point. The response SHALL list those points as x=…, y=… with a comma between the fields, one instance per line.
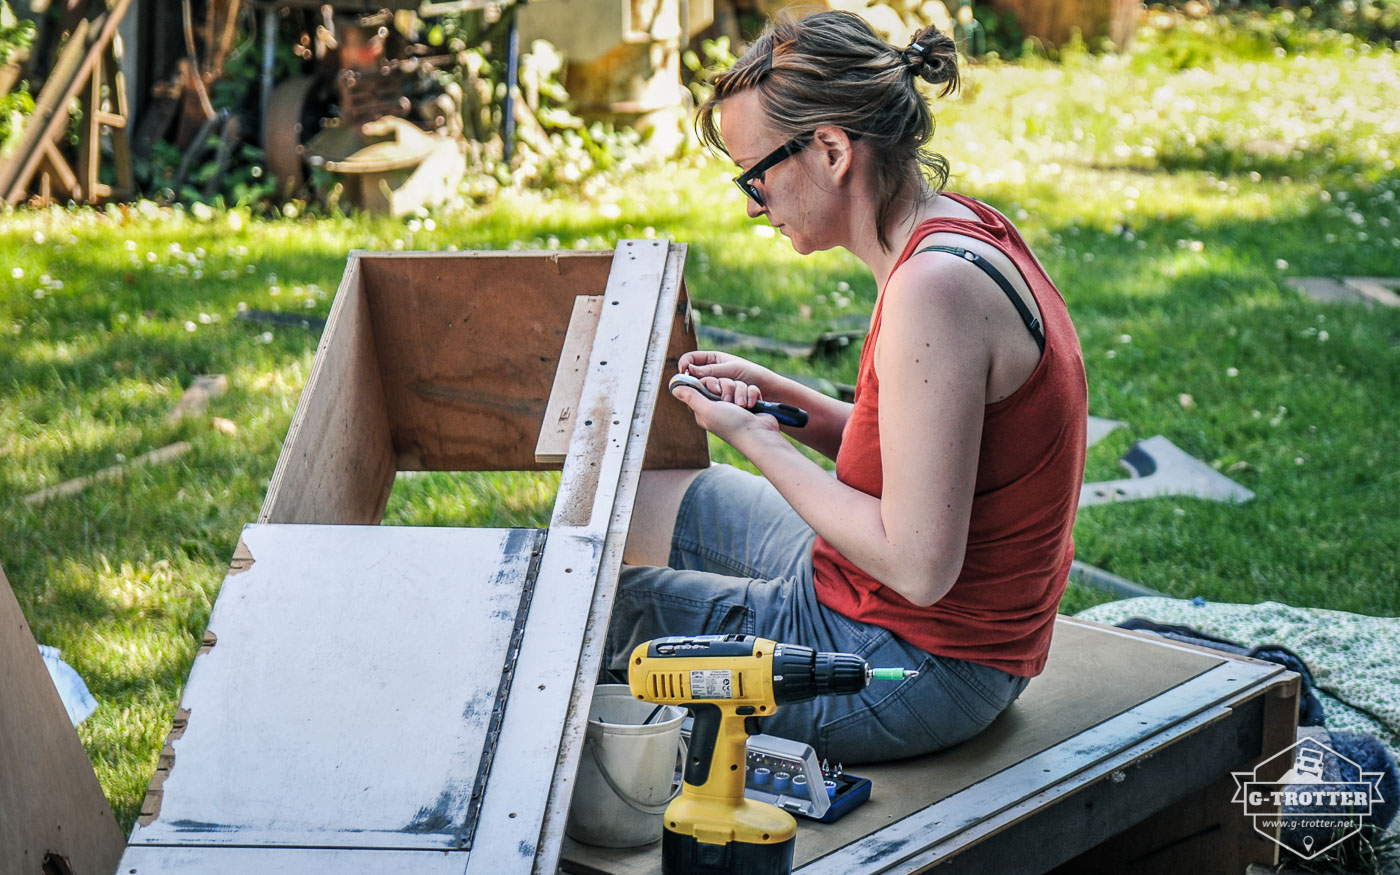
x=728, y=682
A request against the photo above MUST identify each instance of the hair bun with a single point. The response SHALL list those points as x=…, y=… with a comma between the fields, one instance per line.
x=933, y=57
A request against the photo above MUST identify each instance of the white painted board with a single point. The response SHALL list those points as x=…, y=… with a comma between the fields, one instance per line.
x=346, y=701
x=287, y=861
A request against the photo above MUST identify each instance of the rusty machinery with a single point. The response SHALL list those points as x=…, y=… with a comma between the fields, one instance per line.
x=363, y=70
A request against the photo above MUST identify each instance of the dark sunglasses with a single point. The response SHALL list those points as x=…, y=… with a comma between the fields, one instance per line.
x=782, y=153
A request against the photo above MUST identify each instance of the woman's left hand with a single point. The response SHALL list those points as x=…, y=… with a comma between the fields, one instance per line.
x=729, y=416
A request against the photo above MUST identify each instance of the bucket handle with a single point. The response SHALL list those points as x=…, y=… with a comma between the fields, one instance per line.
x=643, y=807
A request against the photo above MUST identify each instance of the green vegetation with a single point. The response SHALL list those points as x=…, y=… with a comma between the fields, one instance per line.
x=1170, y=192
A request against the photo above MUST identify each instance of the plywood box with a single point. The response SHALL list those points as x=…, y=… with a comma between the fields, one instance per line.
x=397, y=699
x=445, y=362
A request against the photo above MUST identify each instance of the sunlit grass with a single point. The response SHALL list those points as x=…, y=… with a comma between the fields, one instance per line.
x=1170, y=193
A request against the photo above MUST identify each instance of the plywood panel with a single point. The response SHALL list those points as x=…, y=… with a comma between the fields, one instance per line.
x=348, y=693
x=50, y=801
x=675, y=440
x=595, y=629
x=468, y=344
x=337, y=464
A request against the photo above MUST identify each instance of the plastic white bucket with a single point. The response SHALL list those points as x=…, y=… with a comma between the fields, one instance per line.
x=627, y=771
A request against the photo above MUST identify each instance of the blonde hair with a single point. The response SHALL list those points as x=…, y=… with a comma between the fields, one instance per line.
x=830, y=68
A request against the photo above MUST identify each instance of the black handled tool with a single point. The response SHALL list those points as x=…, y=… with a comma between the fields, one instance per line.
x=784, y=413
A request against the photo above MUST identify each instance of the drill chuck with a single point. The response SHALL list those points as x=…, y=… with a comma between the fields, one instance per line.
x=801, y=673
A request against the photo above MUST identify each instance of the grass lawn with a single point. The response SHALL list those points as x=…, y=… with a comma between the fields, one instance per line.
x=1169, y=192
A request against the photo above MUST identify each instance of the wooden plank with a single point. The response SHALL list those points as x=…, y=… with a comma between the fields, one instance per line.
x=1151, y=785
x=337, y=463
x=595, y=630
x=1203, y=832
x=283, y=861
x=114, y=472
x=346, y=696
x=619, y=394
x=118, y=121
x=72, y=70
x=90, y=132
x=1375, y=290
x=559, y=412
x=52, y=810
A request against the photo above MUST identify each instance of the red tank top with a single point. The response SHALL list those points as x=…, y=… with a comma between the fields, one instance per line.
x=1001, y=610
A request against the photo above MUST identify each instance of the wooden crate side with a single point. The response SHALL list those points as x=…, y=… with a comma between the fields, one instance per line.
x=337, y=463
x=468, y=344
x=50, y=801
x=675, y=440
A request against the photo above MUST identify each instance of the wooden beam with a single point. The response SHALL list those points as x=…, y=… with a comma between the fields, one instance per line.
x=520, y=825
x=560, y=413
x=53, y=817
x=77, y=61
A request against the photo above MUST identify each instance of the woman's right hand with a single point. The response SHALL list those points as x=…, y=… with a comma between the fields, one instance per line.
x=828, y=416
x=722, y=365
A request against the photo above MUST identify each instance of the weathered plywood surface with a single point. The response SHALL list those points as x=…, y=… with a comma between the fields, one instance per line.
x=337, y=463
x=1094, y=674
x=347, y=696
x=50, y=801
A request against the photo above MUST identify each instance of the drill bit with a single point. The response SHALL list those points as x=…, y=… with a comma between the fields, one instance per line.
x=889, y=674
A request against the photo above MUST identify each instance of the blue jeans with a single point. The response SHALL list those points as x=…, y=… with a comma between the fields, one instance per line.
x=741, y=561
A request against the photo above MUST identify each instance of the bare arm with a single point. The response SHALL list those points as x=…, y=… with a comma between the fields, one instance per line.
x=933, y=359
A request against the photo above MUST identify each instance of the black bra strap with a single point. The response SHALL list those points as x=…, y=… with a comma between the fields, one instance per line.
x=1031, y=321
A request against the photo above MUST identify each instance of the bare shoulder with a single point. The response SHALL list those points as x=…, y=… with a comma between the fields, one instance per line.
x=938, y=285
x=934, y=306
